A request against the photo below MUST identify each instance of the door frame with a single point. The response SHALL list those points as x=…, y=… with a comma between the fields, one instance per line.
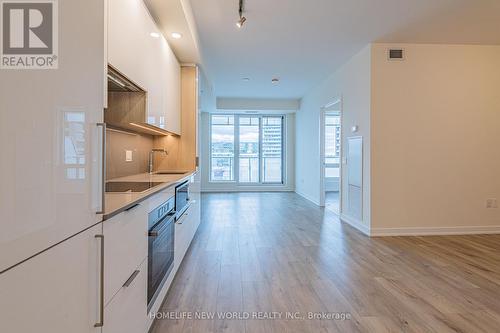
x=324, y=109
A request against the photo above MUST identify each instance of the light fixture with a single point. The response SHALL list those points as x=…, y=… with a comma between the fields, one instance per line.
x=275, y=80
x=117, y=81
x=155, y=35
x=242, y=19
x=240, y=22
x=176, y=35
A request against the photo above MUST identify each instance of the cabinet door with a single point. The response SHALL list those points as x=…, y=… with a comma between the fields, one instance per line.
x=171, y=76
x=50, y=166
x=146, y=60
x=127, y=311
x=129, y=39
x=56, y=291
x=126, y=237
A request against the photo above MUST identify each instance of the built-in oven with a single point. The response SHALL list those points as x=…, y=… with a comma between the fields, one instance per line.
x=181, y=199
x=161, y=224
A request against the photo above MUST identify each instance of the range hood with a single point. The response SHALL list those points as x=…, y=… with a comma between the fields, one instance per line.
x=127, y=106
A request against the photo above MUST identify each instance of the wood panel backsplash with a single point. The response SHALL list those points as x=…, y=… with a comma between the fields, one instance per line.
x=116, y=145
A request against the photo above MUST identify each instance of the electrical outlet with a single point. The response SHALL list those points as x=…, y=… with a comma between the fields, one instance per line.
x=128, y=156
x=492, y=203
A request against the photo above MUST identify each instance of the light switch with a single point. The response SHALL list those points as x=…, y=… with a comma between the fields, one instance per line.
x=128, y=155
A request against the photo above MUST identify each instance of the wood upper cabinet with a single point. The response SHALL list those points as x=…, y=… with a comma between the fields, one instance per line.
x=146, y=60
x=57, y=291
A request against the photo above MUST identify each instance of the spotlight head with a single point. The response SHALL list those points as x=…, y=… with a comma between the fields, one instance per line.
x=241, y=21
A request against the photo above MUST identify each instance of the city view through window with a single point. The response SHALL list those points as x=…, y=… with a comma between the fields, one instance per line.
x=259, y=157
x=332, y=145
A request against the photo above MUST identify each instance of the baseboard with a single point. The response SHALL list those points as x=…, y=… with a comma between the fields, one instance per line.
x=355, y=223
x=436, y=231
x=305, y=196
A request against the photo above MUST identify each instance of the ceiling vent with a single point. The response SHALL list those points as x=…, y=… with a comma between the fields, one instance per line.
x=396, y=54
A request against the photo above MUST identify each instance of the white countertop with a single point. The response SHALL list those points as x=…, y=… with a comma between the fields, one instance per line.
x=117, y=202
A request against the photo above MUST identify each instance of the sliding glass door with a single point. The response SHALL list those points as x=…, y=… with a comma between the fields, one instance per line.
x=249, y=139
x=260, y=153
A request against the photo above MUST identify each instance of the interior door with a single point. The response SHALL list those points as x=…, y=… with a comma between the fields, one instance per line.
x=50, y=166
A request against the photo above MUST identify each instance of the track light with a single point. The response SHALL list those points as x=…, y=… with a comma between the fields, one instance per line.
x=240, y=22
x=242, y=19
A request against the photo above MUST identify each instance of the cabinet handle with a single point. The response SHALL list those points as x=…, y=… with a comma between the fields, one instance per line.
x=100, y=323
x=132, y=207
x=103, y=168
x=131, y=278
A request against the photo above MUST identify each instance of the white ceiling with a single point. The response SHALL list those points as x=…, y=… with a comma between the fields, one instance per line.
x=176, y=16
x=303, y=41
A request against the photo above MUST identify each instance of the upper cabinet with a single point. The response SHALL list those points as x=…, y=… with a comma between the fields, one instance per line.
x=138, y=50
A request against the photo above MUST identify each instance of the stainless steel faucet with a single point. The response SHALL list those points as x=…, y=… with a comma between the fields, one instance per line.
x=151, y=155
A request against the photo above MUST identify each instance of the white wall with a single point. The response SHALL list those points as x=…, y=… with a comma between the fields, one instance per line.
x=435, y=139
x=352, y=83
x=207, y=186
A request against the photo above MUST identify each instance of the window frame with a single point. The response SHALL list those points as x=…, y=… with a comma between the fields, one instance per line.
x=236, y=149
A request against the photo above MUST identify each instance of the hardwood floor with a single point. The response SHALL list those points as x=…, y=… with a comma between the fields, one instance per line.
x=277, y=252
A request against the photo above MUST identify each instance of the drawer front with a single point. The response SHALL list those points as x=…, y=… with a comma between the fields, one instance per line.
x=184, y=232
x=127, y=311
x=159, y=198
x=126, y=247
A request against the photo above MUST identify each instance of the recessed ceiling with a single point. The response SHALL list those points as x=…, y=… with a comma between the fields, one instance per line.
x=174, y=18
x=302, y=42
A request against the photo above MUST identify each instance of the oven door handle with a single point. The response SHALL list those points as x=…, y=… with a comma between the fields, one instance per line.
x=158, y=228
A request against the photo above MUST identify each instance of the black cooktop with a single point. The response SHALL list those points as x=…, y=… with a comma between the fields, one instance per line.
x=130, y=186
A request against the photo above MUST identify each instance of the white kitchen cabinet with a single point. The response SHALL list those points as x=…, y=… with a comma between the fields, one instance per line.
x=147, y=61
x=171, y=75
x=127, y=311
x=126, y=237
x=188, y=224
x=51, y=191
x=56, y=291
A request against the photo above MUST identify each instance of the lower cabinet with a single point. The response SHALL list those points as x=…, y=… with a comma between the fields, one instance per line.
x=126, y=247
x=127, y=311
x=59, y=291
x=56, y=291
x=185, y=229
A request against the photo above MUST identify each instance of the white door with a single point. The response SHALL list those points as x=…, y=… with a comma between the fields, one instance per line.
x=56, y=291
x=50, y=144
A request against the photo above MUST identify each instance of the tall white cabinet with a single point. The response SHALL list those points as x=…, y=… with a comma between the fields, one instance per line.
x=51, y=168
x=51, y=175
x=137, y=49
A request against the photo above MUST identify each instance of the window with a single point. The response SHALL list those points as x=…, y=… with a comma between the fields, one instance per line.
x=259, y=157
x=272, y=150
x=332, y=145
x=222, y=150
